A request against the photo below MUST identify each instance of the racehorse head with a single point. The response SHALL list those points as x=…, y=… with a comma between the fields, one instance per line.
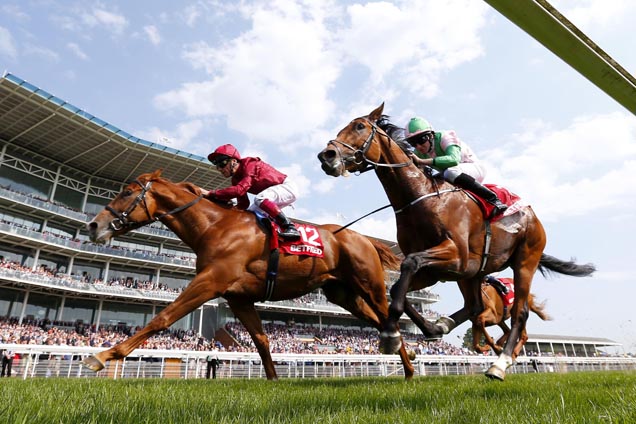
x=355, y=148
x=130, y=209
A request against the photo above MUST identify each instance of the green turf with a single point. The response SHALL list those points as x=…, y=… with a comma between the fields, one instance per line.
x=595, y=397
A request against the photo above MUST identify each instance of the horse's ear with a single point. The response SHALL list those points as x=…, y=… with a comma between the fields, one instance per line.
x=377, y=113
x=156, y=174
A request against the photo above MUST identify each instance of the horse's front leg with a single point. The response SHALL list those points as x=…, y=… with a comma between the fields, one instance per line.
x=199, y=291
x=374, y=311
x=247, y=314
x=390, y=337
x=441, y=257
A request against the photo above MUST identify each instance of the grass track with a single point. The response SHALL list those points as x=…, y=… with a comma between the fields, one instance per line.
x=595, y=397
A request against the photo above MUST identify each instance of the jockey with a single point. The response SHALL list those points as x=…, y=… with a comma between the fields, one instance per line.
x=445, y=152
x=271, y=188
x=497, y=284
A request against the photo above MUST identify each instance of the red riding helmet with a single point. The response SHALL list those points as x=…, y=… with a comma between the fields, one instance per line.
x=223, y=152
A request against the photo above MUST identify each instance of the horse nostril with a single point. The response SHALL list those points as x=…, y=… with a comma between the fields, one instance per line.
x=327, y=155
x=91, y=226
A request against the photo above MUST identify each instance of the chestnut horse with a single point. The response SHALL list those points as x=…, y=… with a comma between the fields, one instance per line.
x=232, y=260
x=496, y=313
x=443, y=235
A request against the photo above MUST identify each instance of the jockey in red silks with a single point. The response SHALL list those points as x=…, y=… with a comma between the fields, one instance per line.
x=271, y=188
x=445, y=152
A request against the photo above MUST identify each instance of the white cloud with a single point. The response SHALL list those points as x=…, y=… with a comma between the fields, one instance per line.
x=7, y=45
x=191, y=14
x=584, y=167
x=42, y=52
x=324, y=185
x=273, y=80
x=80, y=19
x=153, y=34
x=295, y=174
x=15, y=12
x=409, y=45
x=111, y=21
x=591, y=13
x=276, y=78
x=77, y=51
x=181, y=138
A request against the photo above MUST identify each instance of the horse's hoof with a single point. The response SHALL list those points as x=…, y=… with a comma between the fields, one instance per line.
x=496, y=373
x=446, y=324
x=411, y=354
x=390, y=343
x=93, y=363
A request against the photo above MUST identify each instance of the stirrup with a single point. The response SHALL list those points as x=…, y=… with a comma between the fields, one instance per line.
x=289, y=233
x=499, y=208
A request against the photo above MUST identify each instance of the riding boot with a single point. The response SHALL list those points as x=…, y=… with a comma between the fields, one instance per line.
x=288, y=230
x=467, y=182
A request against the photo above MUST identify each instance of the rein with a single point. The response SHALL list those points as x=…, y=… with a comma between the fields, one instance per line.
x=122, y=221
x=397, y=211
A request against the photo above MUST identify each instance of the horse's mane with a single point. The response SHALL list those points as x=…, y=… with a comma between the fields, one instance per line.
x=192, y=188
x=396, y=133
x=195, y=189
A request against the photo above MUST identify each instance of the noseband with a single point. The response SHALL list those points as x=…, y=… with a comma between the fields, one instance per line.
x=122, y=221
x=359, y=156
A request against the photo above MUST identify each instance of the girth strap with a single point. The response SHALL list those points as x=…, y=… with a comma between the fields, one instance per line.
x=486, y=254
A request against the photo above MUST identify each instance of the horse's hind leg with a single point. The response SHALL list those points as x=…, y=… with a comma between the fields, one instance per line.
x=524, y=266
x=247, y=314
x=479, y=330
x=373, y=312
x=196, y=294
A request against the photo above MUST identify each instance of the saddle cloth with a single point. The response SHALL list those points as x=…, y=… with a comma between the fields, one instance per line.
x=504, y=195
x=310, y=243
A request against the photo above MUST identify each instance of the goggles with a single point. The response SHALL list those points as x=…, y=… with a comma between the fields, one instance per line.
x=221, y=161
x=420, y=139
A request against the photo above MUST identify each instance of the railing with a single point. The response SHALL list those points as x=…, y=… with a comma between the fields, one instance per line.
x=93, y=248
x=78, y=216
x=66, y=361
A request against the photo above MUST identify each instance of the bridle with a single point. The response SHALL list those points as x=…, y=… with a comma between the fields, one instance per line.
x=359, y=156
x=122, y=221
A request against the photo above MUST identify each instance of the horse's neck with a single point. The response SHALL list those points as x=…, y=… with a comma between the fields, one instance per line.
x=191, y=223
x=402, y=184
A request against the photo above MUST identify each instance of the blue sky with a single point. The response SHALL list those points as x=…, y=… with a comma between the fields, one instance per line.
x=279, y=78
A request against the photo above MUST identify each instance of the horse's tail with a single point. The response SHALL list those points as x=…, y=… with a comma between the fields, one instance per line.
x=549, y=264
x=538, y=308
x=389, y=259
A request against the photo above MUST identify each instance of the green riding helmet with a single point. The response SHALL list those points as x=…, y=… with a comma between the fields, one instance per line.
x=417, y=126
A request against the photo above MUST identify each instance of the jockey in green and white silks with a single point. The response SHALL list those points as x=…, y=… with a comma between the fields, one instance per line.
x=445, y=152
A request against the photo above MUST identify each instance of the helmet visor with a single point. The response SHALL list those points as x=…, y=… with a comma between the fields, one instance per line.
x=220, y=161
x=420, y=138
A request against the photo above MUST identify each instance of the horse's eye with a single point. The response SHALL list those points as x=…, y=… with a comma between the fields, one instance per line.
x=360, y=126
x=126, y=193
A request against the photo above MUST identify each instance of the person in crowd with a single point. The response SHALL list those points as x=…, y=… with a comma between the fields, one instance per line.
x=213, y=363
x=272, y=189
x=7, y=362
x=454, y=159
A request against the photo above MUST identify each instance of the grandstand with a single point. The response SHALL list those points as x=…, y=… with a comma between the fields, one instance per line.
x=59, y=166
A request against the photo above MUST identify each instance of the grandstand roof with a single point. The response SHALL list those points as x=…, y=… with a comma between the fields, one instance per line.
x=545, y=338
x=40, y=124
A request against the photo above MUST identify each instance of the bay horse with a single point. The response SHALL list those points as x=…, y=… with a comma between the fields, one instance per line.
x=232, y=261
x=444, y=236
x=495, y=312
